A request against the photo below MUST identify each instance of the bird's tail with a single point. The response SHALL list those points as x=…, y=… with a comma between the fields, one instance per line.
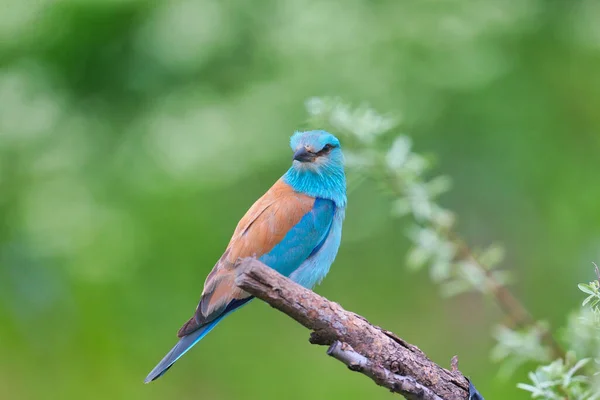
x=184, y=344
x=188, y=341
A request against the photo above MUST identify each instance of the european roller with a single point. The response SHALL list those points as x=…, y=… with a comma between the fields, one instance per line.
x=294, y=228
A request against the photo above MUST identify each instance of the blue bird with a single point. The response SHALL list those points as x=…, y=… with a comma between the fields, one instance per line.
x=294, y=228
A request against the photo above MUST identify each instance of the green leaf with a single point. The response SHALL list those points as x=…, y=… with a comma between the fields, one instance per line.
x=586, y=289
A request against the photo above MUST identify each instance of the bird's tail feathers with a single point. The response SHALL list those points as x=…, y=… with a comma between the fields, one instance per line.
x=188, y=341
x=184, y=344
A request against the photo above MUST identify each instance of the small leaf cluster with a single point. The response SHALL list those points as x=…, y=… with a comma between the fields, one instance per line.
x=578, y=376
x=559, y=380
x=517, y=347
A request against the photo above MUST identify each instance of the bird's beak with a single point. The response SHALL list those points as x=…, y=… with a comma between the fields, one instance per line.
x=303, y=155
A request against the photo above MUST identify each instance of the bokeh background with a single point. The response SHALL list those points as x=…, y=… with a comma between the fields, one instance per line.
x=135, y=134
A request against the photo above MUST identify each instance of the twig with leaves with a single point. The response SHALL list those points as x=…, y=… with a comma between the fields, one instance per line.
x=375, y=150
x=577, y=376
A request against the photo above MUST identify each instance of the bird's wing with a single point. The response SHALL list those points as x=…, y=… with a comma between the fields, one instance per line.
x=282, y=229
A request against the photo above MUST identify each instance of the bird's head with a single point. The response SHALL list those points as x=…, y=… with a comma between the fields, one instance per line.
x=317, y=151
x=318, y=166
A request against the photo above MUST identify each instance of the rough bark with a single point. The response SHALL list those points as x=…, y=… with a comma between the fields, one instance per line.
x=379, y=354
x=405, y=385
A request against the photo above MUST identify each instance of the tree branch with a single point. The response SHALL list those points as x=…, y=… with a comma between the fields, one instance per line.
x=379, y=354
x=383, y=377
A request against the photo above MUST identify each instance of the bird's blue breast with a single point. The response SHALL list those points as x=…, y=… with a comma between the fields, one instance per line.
x=303, y=240
x=316, y=267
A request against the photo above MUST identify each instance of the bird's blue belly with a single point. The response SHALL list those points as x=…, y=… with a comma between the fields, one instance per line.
x=315, y=268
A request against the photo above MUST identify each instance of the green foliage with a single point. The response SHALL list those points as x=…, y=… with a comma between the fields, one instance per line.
x=518, y=347
x=593, y=292
x=558, y=380
x=579, y=376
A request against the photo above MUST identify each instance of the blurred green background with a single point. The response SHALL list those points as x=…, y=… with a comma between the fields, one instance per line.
x=134, y=135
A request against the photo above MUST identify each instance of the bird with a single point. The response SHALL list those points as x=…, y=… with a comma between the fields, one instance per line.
x=294, y=228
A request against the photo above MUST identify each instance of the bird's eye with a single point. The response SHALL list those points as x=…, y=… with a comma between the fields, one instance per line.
x=326, y=149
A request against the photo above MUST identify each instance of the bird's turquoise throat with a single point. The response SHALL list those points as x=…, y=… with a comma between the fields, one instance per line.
x=328, y=183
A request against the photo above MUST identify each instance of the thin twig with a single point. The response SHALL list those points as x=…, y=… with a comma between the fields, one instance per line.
x=454, y=364
x=510, y=305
